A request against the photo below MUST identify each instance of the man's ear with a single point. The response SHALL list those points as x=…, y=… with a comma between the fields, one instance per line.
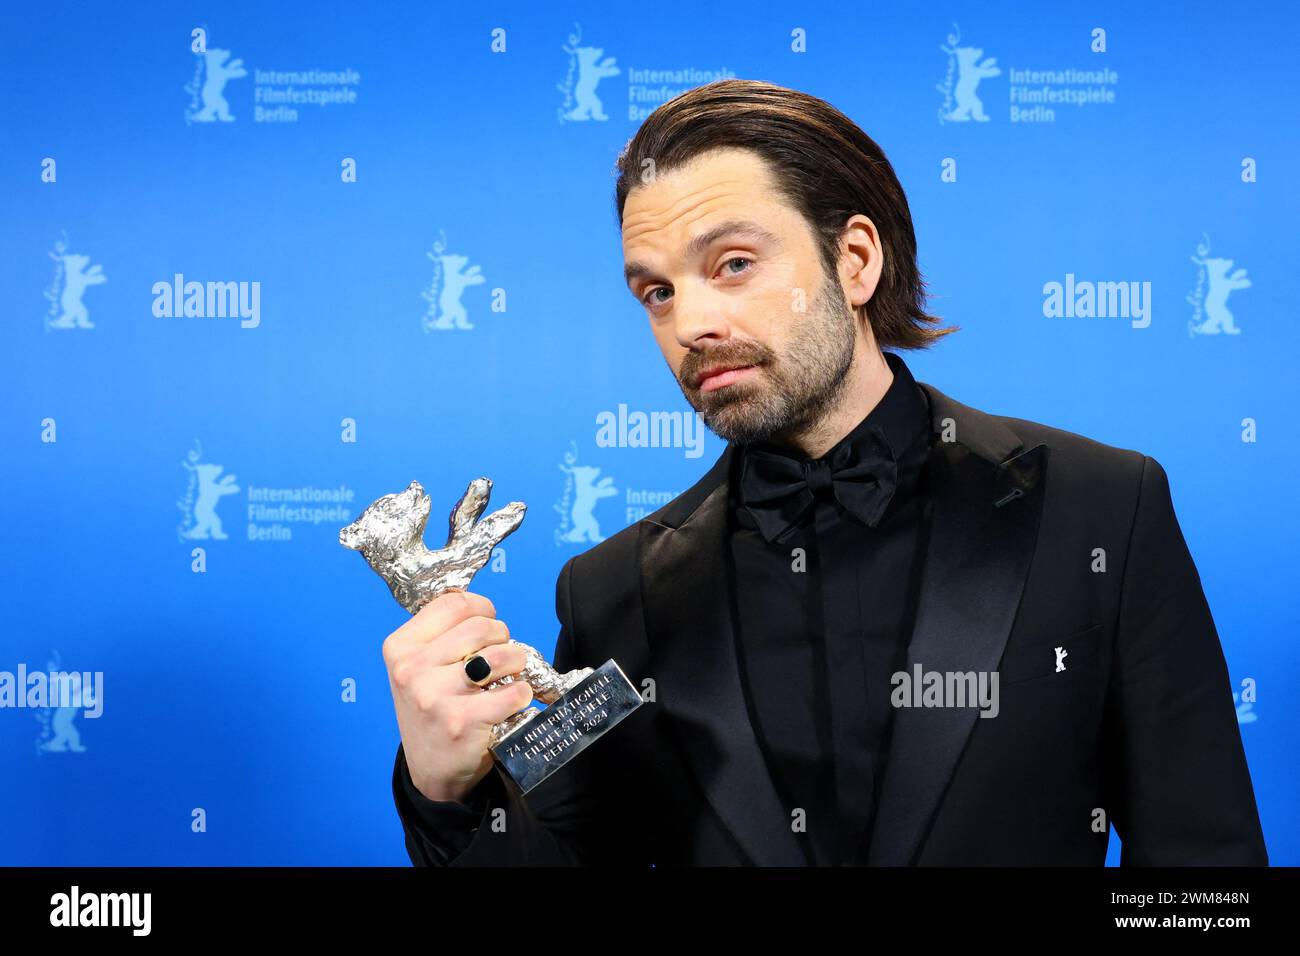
x=861, y=259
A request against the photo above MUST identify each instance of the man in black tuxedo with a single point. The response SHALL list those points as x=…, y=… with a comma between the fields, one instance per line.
x=884, y=628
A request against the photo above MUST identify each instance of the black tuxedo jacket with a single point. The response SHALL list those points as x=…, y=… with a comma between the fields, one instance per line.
x=1040, y=539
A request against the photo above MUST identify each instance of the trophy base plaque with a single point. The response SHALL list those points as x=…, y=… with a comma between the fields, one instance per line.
x=567, y=727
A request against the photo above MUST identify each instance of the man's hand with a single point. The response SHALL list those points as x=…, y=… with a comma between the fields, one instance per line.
x=444, y=719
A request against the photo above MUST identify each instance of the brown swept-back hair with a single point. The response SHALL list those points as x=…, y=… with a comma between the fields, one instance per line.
x=824, y=165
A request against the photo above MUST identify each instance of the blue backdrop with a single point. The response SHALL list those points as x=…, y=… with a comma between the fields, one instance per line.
x=413, y=206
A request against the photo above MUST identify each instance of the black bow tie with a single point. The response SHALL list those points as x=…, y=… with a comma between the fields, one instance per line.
x=778, y=491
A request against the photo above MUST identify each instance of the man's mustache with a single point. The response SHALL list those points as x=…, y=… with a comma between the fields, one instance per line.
x=696, y=362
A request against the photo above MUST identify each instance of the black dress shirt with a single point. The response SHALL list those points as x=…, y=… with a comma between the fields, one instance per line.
x=822, y=623
x=823, y=619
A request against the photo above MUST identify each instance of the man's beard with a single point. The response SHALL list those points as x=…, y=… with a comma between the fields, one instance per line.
x=787, y=393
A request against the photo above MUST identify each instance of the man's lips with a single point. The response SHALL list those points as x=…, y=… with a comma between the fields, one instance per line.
x=719, y=378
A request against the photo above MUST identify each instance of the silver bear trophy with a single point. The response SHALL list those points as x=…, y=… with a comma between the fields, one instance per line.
x=390, y=535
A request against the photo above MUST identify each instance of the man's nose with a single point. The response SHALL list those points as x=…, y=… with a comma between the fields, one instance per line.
x=699, y=321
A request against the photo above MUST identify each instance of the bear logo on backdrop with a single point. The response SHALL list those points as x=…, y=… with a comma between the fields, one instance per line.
x=584, y=488
x=59, y=732
x=587, y=67
x=73, y=275
x=205, y=487
x=452, y=275
x=966, y=69
x=207, y=89
x=1209, y=297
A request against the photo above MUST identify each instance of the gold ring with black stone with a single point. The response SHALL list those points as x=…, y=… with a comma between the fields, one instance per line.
x=477, y=669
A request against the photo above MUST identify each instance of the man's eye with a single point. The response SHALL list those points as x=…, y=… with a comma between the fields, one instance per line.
x=646, y=297
x=735, y=259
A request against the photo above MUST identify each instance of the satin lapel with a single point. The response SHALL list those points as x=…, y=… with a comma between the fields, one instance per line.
x=686, y=597
x=984, y=526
